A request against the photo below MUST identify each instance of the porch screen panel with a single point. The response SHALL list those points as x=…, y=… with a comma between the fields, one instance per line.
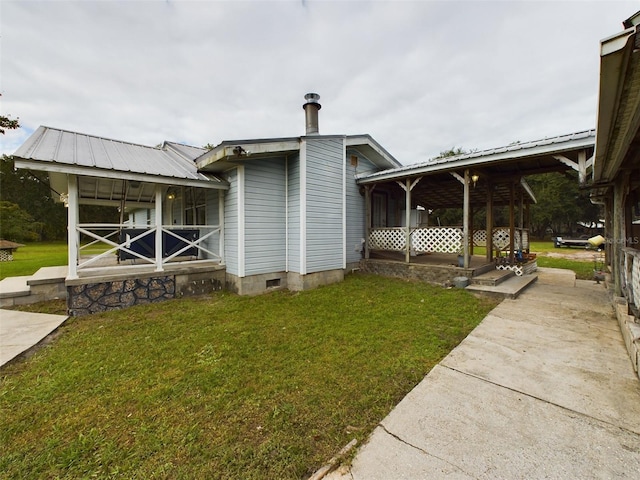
x=324, y=204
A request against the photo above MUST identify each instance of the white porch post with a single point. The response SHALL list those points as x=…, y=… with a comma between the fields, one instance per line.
x=465, y=220
x=221, y=224
x=72, y=226
x=159, y=266
x=407, y=215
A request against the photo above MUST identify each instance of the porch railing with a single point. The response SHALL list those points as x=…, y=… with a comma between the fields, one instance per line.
x=442, y=239
x=630, y=276
x=137, y=242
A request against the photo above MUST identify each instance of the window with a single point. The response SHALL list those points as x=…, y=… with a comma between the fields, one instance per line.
x=195, y=212
x=379, y=210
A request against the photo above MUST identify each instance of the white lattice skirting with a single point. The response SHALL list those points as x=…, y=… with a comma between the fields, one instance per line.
x=522, y=269
x=6, y=255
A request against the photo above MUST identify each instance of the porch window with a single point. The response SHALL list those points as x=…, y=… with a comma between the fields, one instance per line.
x=379, y=210
x=195, y=212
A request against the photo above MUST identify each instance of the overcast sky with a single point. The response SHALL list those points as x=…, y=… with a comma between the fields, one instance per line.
x=419, y=76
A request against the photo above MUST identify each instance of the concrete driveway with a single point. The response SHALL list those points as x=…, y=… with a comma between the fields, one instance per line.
x=542, y=388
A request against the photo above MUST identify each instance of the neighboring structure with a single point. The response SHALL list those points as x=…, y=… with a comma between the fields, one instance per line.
x=616, y=173
x=6, y=250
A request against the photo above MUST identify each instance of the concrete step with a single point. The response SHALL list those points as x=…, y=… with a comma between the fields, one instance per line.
x=492, y=277
x=48, y=283
x=510, y=288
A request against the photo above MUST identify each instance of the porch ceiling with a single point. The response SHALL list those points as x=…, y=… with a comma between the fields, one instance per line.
x=497, y=169
x=445, y=191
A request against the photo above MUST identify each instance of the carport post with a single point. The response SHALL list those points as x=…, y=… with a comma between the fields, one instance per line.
x=465, y=220
x=407, y=215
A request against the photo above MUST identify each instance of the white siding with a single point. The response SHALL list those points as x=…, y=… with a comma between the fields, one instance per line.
x=231, y=224
x=265, y=216
x=356, y=222
x=324, y=198
x=293, y=212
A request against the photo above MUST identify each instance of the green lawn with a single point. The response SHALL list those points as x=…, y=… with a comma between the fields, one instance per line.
x=223, y=386
x=28, y=259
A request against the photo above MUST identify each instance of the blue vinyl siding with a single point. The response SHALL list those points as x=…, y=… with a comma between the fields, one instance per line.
x=265, y=219
x=324, y=197
x=356, y=222
x=231, y=224
x=293, y=194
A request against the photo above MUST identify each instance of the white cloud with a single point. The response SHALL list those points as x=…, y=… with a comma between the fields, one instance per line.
x=419, y=76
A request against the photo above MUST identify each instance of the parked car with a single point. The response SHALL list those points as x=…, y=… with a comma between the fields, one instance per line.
x=581, y=241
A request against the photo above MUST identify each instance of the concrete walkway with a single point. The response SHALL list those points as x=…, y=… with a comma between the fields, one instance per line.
x=542, y=388
x=19, y=331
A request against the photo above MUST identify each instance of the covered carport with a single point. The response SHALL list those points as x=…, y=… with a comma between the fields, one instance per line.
x=473, y=181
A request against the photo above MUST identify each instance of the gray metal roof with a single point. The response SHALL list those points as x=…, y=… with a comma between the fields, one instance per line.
x=523, y=151
x=63, y=151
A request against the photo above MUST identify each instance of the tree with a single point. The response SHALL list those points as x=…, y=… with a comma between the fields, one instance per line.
x=6, y=123
x=561, y=204
x=32, y=194
x=17, y=225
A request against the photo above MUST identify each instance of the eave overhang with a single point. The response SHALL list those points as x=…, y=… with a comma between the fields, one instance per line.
x=618, y=120
x=227, y=154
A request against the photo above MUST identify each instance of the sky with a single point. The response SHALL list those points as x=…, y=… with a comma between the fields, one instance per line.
x=420, y=77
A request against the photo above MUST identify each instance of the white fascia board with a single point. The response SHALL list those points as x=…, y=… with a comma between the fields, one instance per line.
x=615, y=42
x=225, y=150
x=303, y=207
x=357, y=140
x=241, y=222
x=214, y=183
x=344, y=204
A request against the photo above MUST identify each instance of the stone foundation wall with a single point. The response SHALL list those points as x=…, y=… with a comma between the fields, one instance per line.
x=90, y=298
x=438, y=275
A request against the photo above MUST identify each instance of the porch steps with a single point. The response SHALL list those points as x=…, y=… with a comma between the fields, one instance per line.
x=492, y=277
x=509, y=287
x=48, y=283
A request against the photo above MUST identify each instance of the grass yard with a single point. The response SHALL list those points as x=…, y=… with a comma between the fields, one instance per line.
x=222, y=386
x=28, y=259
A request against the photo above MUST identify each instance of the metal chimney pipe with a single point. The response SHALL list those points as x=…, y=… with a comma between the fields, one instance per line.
x=311, y=112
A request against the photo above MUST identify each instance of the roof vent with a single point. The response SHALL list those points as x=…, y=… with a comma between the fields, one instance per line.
x=311, y=109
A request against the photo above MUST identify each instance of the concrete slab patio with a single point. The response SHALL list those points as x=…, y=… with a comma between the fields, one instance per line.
x=542, y=388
